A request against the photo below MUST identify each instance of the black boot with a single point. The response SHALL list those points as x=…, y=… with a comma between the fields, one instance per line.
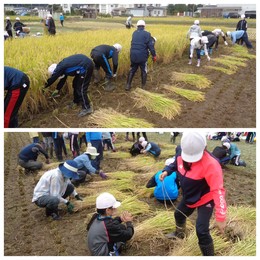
x=180, y=232
x=53, y=213
x=207, y=250
x=109, y=86
x=129, y=81
x=144, y=77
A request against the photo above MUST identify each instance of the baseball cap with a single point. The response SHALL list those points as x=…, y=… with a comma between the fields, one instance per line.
x=227, y=145
x=106, y=200
x=192, y=145
x=141, y=139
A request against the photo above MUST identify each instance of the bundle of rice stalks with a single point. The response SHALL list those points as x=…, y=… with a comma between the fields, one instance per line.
x=221, y=69
x=234, y=58
x=124, y=146
x=241, y=51
x=145, y=193
x=196, y=80
x=167, y=145
x=162, y=223
x=118, y=155
x=90, y=201
x=167, y=153
x=105, y=117
x=157, y=103
x=134, y=206
x=246, y=247
x=230, y=63
x=192, y=95
x=144, y=164
x=120, y=175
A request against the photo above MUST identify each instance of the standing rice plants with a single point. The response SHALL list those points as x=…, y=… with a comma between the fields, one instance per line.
x=192, y=95
x=196, y=80
x=157, y=103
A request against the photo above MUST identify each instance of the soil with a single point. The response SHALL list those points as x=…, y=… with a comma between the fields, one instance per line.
x=28, y=232
x=229, y=103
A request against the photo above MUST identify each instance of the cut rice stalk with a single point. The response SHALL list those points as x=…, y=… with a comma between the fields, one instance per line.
x=105, y=117
x=224, y=70
x=196, y=80
x=157, y=103
x=192, y=95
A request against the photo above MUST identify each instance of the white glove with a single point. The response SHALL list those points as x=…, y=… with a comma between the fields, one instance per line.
x=226, y=43
x=114, y=75
x=208, y=58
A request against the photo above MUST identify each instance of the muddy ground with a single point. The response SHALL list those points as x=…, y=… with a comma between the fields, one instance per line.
x=229, y=102
x=28, y=232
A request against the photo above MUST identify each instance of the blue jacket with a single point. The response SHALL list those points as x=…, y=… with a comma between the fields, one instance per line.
x=14, y=78
x=107, y=52
x=61, y=17
x=91, y=136
x=84, y=163
x=141, y=43
x=167, y=190
x=31, y=152
x=73, y=65
x=153, y=148
x=233, y=151
x=236, y=35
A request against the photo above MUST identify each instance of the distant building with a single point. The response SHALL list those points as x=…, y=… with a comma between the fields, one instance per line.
x=147, y=10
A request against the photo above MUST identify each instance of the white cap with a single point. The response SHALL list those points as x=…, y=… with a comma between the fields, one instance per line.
x=141, y=139
x=17, y=18
x=52, y=68
x=7, y=18
x=140, y=23
x=228, y=33
x=60, y=13
x=106, y=200
x=204, y=39
x=226, y=144
x=169, y=161
x=197, y=22
x=118, y=46
x=144, y=143
x=243, y=16
x=192, y=145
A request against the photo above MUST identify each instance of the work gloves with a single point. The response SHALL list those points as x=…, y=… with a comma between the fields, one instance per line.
x=77, y=197
x=102, y=175
x=225, y=42
x=154, y=58
x=70, y=207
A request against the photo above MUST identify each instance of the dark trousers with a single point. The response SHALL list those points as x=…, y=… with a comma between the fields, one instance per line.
x=100, y=60
x=13, y=101
x=99, y=146
x=212, y=40
x=202, y=222
x=80, y=88
x=247, y=42
x=198, y=53
x=10, y=33
x=59, y=145
x=108, y=143
x=135, y=66
x=61, y=22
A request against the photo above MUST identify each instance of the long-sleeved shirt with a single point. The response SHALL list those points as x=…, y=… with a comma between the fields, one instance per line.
x=202, y=183
x=13, y=78
x=242, y=25
x=233, y=151
x=31, y=152
x=194, y=31
x=153, y=148
x=196, y=44
x=52, y=183
x=236, y=35
x=84, y=163
x=91, y=136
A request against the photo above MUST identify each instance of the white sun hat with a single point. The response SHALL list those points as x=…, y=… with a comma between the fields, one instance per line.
x=106, y=200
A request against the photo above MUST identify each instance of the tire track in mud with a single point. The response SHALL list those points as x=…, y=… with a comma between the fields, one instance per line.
x=27, y=230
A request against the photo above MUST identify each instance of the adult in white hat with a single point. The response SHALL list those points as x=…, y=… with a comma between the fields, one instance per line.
x=18, y=27
x=201, y=180
x=54, y=187
x=8, y=27
x=194, y=31
x=85, y=165
x=141, y=46
x=238, y=35
x=61, y=19
x=105, y=233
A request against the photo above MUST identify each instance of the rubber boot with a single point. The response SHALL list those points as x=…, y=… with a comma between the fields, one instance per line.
x=180, y=232
x=109, y=86
x=96, y=76
x=144, y=77
x=129, y=81
x=190, y=62
x=207, y=250
x=198, y=64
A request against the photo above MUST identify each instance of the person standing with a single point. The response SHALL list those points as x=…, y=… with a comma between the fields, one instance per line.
x=61, y=19
x=27, y=157
x=80, y=67
x=8, y=27
x=201, y=180
x=194, y=30
x=141, y=44
x=59, y=145
x=51, y=25
x=54, y=187
x=48, y=142
x=74, y=143
x=241, y=25
x=100, y=55
x=128, y=23
x=16, y=83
